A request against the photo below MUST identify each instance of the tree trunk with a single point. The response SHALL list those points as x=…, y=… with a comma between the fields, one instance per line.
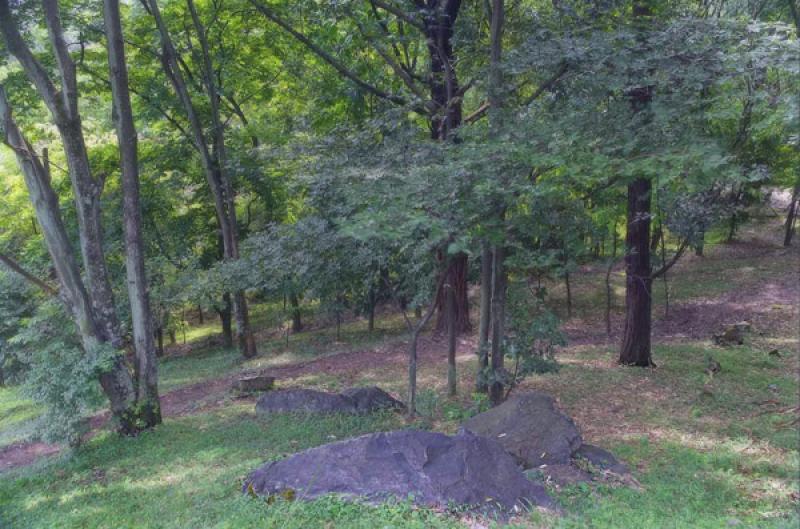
x=116, y=381
x=791, y=217
x=297, y=322
x=225, y=320
x=452, y=383
x=499, y=283
x=638, y=284
x=485, y=315
x=159, y=342
x=371, y=301
x=569, y=294
x=213, y=160
x=141, y=316
x=457, y=276
x=200, y=317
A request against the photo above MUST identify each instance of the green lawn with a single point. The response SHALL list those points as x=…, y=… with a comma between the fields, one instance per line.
x=707, y=453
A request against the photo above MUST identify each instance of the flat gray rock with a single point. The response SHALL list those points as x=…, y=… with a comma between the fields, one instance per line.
x=351, y=401
x=530, y=428
x=303, y=401
x=433, y=469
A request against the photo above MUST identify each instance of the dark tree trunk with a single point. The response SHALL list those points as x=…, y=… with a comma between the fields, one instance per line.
x=452, y=383
x=226, y=320
x=297, y=321
x=172, y=338
x=200, y=317
x=457, y=277
x=700, y=246
x=638, y=284
x=569, y=294
x=791, y=217
x=371, y=310
x=160, y=342
x=485, y=317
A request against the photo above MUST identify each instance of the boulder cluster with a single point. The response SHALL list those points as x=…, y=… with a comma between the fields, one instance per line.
x=498, y=462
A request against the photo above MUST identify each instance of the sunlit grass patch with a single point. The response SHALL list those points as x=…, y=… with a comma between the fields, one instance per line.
x=18, y=416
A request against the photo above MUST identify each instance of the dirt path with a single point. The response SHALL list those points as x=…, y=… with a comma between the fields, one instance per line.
x=770, y=305
x=212, y=393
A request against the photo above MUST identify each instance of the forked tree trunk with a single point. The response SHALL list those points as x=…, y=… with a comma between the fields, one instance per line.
x=638, y=283
x=116, y=381
x=141, y=316
x=213, y=159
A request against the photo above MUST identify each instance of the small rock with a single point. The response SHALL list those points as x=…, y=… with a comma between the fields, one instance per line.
x=254, y=383
x=776, y=353
x=601, y=459
x=560, y=475
x=732, y=334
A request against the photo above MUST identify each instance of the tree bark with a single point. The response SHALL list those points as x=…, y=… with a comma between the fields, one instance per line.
x=116, y=381
x=452, y=382
x=297, y=321
x=226, y=321
x=638, y=283
x=499, y=283
x=141, y=315
x=791, y=217
x=485, y=315
x=212, y=160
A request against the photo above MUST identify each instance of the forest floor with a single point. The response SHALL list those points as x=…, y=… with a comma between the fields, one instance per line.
x=707, y=455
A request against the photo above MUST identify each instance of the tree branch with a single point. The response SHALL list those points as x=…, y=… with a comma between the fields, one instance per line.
x=663, y=270
x=324, y=55
x=15, y=267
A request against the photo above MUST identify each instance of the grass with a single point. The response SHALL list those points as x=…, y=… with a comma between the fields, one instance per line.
x=708, y=453
x=17, y=417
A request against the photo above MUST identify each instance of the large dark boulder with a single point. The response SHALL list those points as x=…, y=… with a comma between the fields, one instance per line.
x=433, y=469
x=352, y=401
x=304, y=401
x=530, y=428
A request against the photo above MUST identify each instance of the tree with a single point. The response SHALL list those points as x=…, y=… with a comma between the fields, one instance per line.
x=213, y=158
x=91, y=304
x=141, y=315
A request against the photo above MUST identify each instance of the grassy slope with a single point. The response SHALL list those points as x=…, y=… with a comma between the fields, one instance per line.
x=704, y=460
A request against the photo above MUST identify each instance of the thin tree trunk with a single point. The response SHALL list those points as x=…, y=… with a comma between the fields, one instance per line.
x=200, y=317
x=297, y=322
x=791, y=217
x=213, y=160
x=452, y=382
x=141, y=316
x=569, y=294
x=498, y=323
x=371, y=310
x=608, y=296
x=225, y=320
x=485, y=315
